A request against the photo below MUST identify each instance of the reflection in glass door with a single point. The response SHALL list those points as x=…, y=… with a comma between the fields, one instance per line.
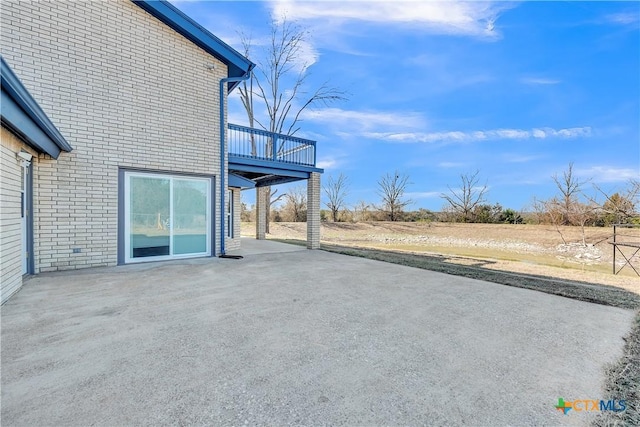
x=166, y=217
x=190, y=217
x=149, y=216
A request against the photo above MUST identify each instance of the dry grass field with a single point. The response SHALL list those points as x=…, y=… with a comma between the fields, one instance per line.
x=524, y=249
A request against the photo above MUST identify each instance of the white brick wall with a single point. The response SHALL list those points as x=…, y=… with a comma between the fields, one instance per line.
x=126, y=91
x=10, y=214
x=313, y=211
x=234, y=243
x=262, y=210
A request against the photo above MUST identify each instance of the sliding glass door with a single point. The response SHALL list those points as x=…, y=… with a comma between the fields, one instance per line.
x=166, y=217
x=190, y=216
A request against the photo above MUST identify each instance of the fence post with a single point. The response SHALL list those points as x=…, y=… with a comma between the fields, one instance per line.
x=614, y=249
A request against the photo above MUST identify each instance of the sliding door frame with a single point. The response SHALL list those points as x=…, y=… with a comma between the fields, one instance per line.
x=123, y=226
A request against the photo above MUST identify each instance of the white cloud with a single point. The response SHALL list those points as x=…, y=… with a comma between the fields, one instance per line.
x=305, y=56
x=422, y=194
x=482, y=135
x=514, y=158
x=609, y=173
x=450, y=165
x=352, y=121
x=539, y=81
x=538, y=133
x=437, y=17
x=508, y=134
x=568, y=133
x=327, y=163
x=624, y=18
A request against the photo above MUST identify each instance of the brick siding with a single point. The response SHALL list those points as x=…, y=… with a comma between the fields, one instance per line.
x=11, y=213
x=125, y=90
x=313, y=211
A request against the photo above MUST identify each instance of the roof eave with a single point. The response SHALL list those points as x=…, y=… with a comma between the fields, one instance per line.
x=24, y=116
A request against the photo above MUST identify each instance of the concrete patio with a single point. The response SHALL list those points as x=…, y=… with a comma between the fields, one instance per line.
x=289, y=336
x=250, y=246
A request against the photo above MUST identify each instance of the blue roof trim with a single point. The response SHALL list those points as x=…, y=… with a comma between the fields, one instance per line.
x=245, y=164
x=22, y=114
x=237, y=64
x=17, y=121
x=238, y=181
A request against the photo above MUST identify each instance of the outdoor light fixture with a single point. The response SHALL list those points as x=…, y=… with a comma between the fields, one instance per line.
x=24, y=156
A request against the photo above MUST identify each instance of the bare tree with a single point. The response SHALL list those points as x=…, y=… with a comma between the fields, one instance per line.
x=274, y=197
x=361, y=211
x=246, y=93
x=619, y=207
x=278, y=82
x=464, y=200
x=570, y=206
x=570, y=190
x=295, y=207
x=550, y=212
x=582, y=214
x=246, y=214
x=579, y=214
x=336, y=190
x=634, y=185
x=391, y=188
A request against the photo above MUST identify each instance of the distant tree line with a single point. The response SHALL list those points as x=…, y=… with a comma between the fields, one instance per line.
x=576, y=203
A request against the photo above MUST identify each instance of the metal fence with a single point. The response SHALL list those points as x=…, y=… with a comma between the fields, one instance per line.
x=626, y=244
x=259, y=144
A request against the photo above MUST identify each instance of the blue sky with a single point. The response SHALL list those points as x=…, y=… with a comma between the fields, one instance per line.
x=517, y=90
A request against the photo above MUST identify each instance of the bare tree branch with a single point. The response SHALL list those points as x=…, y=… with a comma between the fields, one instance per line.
x=391, y=188
x=273, y=199
x=567, y=208
x=246, y=93
x=336, y=191
x=463, y=200
x=570, y=190
x=296, y=204
x=279, y=86
x=324, y=95
x=618, y=207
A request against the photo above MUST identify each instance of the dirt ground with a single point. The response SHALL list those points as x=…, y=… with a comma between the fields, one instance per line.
x=527, y=249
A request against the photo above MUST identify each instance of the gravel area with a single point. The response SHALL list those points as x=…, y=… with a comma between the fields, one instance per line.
x=523, y=249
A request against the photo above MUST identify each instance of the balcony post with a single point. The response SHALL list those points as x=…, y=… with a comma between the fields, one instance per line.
x=262, y=210
x=274, y=147
x=315, y=154
x=313, y=211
